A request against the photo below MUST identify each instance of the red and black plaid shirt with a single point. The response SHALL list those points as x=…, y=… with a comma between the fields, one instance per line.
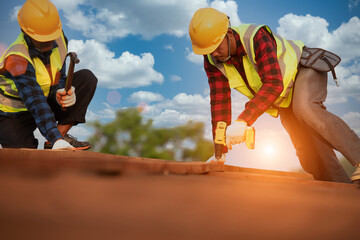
x=269, y=72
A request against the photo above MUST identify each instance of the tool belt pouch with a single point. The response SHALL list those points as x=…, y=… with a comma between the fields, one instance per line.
x=320, y=60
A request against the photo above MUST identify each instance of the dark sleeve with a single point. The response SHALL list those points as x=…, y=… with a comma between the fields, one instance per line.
x=35, y=101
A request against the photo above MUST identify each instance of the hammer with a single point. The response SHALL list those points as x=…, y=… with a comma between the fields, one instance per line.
x=73, y=60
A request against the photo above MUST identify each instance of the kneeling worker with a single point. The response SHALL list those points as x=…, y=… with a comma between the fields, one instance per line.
x=32, y=81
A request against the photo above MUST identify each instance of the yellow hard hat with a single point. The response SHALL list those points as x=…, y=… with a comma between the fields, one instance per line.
x=40, y=20
x=207, y=29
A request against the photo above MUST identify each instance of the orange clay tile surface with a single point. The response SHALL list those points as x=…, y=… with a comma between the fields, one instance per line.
x=48, y=194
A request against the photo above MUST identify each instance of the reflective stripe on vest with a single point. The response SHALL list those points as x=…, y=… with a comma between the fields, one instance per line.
x=9, y=96
x=288, y=55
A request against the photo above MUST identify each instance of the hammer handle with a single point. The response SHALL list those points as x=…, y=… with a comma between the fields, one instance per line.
x=73, y=59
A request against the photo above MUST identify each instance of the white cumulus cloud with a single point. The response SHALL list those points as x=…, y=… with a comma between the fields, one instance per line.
x=353, y=4
x=169, y=47
x=179, y=110
x=313, y=31
x=349, y=81
x=175, y=78
x=353, y=120
x=229, y=8
x=192, y=57
x=106, y=113
x=343, y=41
x=67, y=5
x=105, y=20
x=113, y=72
x=14, y=13
x=145, y=96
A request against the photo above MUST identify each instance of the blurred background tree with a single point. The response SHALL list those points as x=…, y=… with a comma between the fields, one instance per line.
x=130, y=135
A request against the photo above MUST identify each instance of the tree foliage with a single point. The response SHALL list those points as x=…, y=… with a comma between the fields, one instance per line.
x=130, y=135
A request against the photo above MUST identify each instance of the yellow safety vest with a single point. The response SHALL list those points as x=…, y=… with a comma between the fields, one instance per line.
x=10, y=100
x=288, y=55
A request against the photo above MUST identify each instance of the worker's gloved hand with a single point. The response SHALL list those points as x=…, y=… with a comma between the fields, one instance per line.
x=235, y=133
x=61, y=144
x=213, y=159
x=66, y=99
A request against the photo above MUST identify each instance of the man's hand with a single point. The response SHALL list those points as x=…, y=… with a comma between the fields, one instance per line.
x=235, y=133
x=66, y=99
x=61, y=144
x=213, y=159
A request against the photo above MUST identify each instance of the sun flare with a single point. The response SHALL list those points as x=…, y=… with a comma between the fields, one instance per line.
x=269, y=150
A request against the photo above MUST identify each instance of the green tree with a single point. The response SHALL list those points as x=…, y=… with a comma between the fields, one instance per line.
x=130, y=135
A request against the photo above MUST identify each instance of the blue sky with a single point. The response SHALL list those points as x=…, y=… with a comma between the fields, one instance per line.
x=141, y=53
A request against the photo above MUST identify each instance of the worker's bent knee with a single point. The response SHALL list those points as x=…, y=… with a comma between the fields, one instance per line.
x=86, y=76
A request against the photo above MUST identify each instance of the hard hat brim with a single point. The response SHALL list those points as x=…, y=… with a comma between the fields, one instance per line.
x=45, y=38
x=208, y=50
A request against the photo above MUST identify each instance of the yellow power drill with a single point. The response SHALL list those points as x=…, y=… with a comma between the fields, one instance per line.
x=220, y=138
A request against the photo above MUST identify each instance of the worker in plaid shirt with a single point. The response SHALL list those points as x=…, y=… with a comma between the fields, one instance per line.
x=265, y=67
x=32, y=81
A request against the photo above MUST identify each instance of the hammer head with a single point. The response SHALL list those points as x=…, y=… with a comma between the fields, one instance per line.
x=73, y=57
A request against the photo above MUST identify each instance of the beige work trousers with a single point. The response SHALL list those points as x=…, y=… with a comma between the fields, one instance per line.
x=315, y=132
